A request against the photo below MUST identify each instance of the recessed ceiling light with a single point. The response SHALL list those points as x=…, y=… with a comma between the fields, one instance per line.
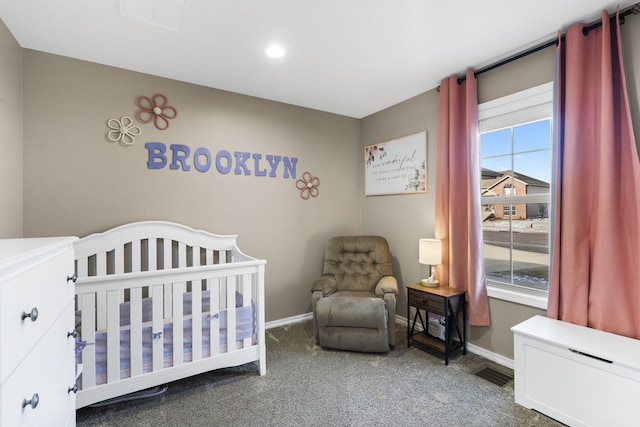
x=275, y=51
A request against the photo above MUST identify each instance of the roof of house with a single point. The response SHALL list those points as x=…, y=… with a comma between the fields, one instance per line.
x=490, y=178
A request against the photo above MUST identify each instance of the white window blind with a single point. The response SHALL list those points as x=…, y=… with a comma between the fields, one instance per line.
x=525, y=106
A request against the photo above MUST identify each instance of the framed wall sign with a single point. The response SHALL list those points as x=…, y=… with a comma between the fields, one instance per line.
x=398, y=166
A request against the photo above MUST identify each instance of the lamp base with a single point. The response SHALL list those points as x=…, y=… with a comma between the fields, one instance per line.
x=428, y=284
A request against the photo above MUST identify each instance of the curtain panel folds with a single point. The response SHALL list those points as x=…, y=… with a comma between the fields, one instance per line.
x=595, y=273
x=458, y=208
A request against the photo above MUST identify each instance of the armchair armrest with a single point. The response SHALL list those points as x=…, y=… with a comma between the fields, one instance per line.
x=326, y=284
x=388, y=284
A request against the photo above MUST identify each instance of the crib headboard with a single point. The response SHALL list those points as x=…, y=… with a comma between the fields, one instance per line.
x=165, y=266
x=150, y=246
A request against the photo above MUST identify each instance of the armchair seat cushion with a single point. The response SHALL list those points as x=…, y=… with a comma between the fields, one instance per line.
x=348, y=322
x=352, y=311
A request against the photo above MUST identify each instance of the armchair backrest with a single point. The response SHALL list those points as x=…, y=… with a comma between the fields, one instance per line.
x=357, y=262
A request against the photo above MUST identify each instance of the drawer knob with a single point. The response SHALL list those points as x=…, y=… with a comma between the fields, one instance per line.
x=35, y=399
x=72, y=278
x=73, y=333
x=73, y=389
x=33, y=315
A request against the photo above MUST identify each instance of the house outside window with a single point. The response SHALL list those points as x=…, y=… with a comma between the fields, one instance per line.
x=515, y=162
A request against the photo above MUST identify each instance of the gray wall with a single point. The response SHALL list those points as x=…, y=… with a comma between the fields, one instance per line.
x=76, y=182
x=403, y=219
x=11, y=139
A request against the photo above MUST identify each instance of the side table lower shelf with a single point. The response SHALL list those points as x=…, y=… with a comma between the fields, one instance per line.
x=424, y=338
x=443, y=301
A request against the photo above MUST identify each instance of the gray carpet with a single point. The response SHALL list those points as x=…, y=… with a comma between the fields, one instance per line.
x=310, y=386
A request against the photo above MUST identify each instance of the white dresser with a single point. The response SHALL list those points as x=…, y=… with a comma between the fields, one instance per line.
x=37, y=363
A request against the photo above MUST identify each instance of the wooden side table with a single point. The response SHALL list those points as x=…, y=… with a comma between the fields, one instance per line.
x=444, y=301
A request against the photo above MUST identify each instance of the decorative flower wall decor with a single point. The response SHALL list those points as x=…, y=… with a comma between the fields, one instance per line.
x=156, y=109
x=123, y=130
x=308, y=186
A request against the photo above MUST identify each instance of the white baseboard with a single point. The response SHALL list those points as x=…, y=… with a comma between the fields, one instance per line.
x=472, y=348
x=494, y=357
x=288, y=321
x=402, y=320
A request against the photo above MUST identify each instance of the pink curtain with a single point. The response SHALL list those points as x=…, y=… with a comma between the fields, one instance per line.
x=458, y=223
x=596, y=259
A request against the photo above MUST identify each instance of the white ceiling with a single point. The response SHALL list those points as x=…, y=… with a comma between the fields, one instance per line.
x=349, y=57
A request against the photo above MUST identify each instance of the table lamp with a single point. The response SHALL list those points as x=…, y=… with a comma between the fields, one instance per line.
x=430, y=253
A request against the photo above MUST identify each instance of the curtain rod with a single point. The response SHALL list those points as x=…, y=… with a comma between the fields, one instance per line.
x=631, y=10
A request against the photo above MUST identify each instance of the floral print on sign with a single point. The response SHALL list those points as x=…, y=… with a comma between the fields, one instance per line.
x=418, y=180
x=372, y=151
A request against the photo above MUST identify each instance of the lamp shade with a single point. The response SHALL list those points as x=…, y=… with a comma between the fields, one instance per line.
x=430, y=251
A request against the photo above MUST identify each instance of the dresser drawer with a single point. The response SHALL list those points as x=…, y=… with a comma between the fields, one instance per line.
x=48, y=371
x=428, y=302
x=43, y=288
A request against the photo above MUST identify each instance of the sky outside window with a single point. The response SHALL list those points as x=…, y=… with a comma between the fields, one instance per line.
x=531, y=145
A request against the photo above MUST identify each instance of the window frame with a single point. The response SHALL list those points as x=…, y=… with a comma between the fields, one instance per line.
x=527, y=106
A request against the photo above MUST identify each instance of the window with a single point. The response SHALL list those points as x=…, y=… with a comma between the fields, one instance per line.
x=509, y=190
x=515, y=163
x=509, y=210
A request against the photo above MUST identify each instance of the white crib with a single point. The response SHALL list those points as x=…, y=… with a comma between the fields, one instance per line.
x=157, y=302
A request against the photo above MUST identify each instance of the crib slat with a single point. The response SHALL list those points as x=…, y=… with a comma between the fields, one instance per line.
x=152, y=254
x=247, y=297
x=208, y=260
x=118, y=258
x=214, y=326
x=101, y=270
x=136, y=331
x=101, y=314
x=259, y=298
x=158, y=327
x=135, y=257
x=196, y=256
x=222, y=259
x=196, y=322
x=88, y=306
x=113, y=336
x=101, y=263
x=177, y=314
x=182, y=255
x=82, y=268
x=167, y=252
x=118, y=266
x=231, y=313
x=196, y=310
x=178, y=323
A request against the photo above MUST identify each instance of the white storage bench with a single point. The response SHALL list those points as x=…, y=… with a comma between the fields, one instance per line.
x=577, y=375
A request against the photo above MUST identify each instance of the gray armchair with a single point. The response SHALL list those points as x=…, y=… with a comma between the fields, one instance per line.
x=354, y=302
